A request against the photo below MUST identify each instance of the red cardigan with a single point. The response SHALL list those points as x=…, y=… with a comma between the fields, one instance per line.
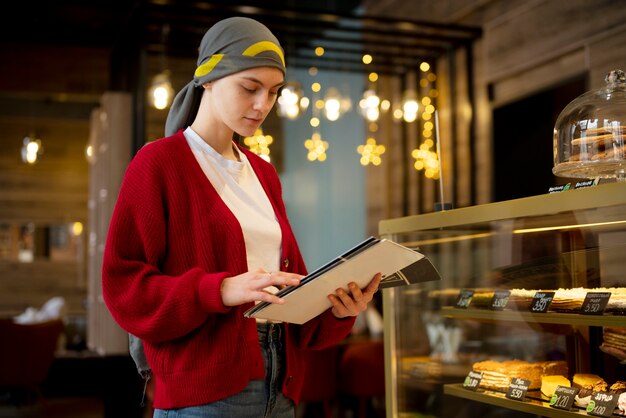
x=171, y=242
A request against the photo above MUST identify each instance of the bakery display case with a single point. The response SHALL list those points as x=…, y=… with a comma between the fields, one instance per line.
x=590, y=133
x=529, y=318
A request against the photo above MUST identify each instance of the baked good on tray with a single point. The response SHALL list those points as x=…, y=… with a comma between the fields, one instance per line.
x=497, y=375
x=549, y=384
x=614, y=342
x=565, y=300
x=587, y=384
x=595, y=144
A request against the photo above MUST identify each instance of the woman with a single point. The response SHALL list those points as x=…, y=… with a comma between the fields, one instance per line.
x=200, y=233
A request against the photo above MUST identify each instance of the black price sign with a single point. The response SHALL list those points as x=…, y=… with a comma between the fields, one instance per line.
x=472, y=380
x=602, y=404
x=517, y=389
x=464, y=299
x=595, y=303
x=563, y=397
x=541, y=301
x=500, y=299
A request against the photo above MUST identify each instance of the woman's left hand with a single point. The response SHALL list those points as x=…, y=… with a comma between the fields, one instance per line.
x=355, y=301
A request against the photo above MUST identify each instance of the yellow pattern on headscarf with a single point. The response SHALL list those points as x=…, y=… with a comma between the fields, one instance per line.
x=206, y=68
x=263, y=46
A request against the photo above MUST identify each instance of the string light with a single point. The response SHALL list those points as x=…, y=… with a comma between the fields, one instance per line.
x=409, y=107
x=334, y=104
x=317, y=147
x=368, y=105
x=259, y=144
x=291, y=103
x=371, y=152
x=426, y=160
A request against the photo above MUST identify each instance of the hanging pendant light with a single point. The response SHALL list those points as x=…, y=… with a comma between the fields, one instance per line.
x=291, y=103
x=161, y=92
x=31, y=149
x=335, y=105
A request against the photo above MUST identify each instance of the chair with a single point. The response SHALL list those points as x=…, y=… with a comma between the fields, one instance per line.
x=362, y=372
x=320, y=379
x=26, y=354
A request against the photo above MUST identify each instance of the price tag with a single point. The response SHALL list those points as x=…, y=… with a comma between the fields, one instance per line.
x=595, y=303
x=602, y=404
x=517, y=389
x=563, y=397
x=464, y=299
x=472, y=380
x=541, y=301
x=500, y=299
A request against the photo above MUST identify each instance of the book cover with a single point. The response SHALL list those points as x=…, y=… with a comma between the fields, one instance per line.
x=398, y=265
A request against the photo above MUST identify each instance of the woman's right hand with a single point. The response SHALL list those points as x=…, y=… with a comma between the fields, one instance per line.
x=251, y=287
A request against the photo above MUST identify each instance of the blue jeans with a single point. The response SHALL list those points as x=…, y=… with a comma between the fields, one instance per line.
x=260, y=399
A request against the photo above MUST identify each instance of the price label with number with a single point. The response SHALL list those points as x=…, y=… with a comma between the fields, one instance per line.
x=595, y=303
x=500, y=299
x=464, y=299
x=541, y=301
x=602, y=404
x=473, y=380
x=563, y=397
x=517, y=389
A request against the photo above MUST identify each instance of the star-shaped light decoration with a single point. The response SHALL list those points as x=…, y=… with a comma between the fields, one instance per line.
x=426, y=160
x=371, y=152
x=317, y=147
x=259, y=144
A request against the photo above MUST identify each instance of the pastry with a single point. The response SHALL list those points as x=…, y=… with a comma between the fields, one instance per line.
x=585, y=140
x=497, y=375
x=614, y=342
x=551, y=382
x=521, y=298
x=482, y=298
x=568, y=300
x=616, y=129
x=589, y=381
x=587, y=384
x=618, y=387
x=621, y=404
x=598, y=144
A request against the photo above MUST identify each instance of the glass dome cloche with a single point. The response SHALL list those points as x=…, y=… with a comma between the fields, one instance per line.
x=590, y=133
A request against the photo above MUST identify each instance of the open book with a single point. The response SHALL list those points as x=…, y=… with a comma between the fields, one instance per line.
x=398, y=265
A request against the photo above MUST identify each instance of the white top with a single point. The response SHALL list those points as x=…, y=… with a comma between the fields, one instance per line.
x=240, y=189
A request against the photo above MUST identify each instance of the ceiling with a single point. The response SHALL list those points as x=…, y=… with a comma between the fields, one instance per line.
x=175, y=28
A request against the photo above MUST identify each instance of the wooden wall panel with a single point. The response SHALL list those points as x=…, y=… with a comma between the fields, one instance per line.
x=543, y=30
x=606, y=53
x=52, y=191
x=526, y=47
x=32, y=284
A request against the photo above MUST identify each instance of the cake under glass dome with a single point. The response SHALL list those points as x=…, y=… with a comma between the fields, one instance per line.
x=590, y=133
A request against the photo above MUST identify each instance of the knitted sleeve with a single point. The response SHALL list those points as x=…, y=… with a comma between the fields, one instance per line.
x=144, y=301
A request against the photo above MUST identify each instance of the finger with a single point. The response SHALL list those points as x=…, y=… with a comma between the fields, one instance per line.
x=347, y=300
x=280, y=278
x=339, y=310
x=372, y=287
x=359, y=299
x=263, y=296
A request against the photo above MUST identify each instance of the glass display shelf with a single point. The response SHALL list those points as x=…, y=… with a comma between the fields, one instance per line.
x=541, y=318
x=571, y=242
x=529, y=405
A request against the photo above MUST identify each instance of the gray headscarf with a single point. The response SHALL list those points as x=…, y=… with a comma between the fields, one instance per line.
x=231, y=45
